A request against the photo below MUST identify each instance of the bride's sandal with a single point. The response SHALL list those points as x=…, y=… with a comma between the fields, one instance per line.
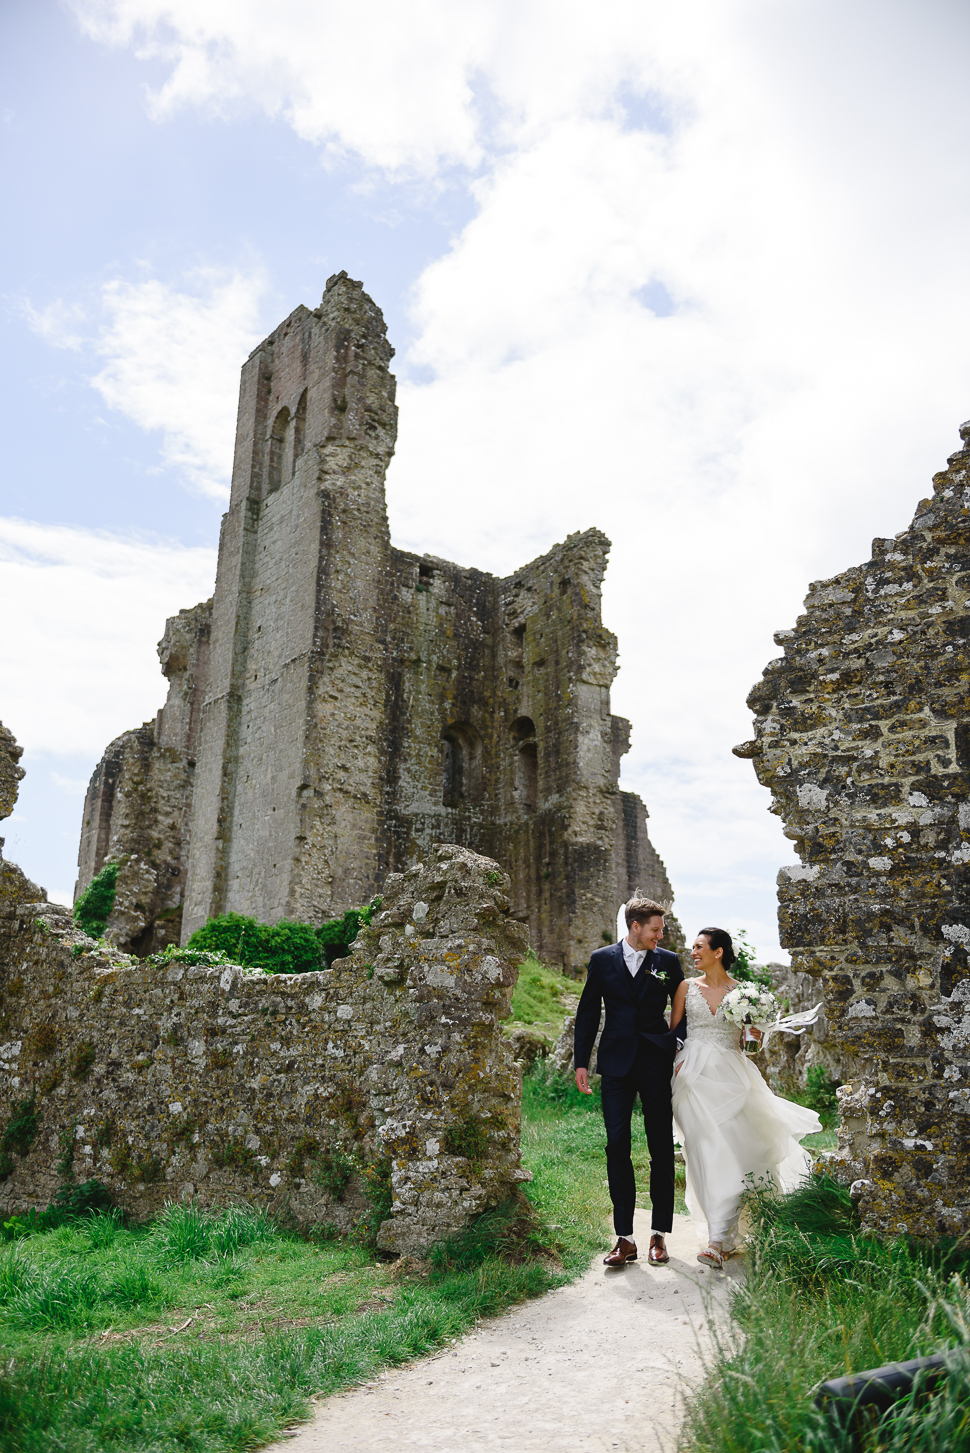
x=712, y=1257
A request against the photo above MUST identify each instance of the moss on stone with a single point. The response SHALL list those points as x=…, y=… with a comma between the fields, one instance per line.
x=93, y=908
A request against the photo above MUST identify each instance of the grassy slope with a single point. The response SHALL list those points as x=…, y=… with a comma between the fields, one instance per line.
x=542, y=998
x=212, y=1332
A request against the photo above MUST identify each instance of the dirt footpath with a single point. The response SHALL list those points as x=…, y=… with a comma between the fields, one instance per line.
x=597, y=1366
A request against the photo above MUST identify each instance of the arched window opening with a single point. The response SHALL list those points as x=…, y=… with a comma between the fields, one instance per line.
x=460, y=763
x=527, y=772
x=453, y=775
x=277, y=450
x=299, y=430
x=522, y=734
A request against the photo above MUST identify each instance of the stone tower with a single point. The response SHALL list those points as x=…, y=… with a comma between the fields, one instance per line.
x=340, y=704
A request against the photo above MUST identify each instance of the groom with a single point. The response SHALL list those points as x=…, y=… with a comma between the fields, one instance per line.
x=634, y=979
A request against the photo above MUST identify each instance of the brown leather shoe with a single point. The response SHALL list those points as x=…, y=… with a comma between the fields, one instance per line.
x=622, y=1252
x=657, y=1255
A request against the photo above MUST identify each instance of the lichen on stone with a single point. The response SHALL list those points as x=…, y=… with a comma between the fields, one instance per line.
x=863, y=738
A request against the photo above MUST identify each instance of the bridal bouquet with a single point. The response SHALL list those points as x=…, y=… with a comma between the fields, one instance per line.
x=748, y=1005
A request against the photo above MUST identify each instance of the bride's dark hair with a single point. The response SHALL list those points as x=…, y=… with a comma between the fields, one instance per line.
x=720, y=938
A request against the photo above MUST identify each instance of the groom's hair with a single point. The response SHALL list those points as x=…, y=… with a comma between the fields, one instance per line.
x=639, y=910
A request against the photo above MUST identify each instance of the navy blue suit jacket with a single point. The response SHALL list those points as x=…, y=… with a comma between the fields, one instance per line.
x=634, y=1009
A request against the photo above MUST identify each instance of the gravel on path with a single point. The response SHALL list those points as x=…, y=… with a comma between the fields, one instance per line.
x=599, y=1366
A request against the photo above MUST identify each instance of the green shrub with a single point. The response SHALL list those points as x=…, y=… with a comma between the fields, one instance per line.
x=286, y=947
x=93, y=908
x=82, y=1058
x=174, y=954
x=278, y=948
x=821, y=1095
x=234, y=1154
x=20, y=1130
x=337, y=934
x=334, y=1170
x=239, y=938
x=513, y=1231
x=544, y=1088
x=746, y=968
x=71, y=1203
x=375, y=1180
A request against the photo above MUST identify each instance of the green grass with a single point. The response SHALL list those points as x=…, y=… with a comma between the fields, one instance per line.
x=211, y=1332
x=821, y=1300
x=542, y=997
x=564, y=1145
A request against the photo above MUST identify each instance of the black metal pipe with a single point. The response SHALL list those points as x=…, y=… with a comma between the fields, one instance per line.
x=881, y=1386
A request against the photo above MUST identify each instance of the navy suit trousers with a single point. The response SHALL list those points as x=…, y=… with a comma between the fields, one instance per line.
x=650, y=1079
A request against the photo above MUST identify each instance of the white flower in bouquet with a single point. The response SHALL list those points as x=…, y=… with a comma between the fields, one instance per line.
x=750, y=1004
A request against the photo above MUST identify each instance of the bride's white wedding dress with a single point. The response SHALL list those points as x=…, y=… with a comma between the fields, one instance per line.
x=731, y=1125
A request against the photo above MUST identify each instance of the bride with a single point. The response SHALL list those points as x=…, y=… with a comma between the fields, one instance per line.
x=731, y=1125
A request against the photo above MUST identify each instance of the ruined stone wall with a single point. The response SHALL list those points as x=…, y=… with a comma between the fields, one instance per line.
x=226, y=1085
x=789, y=1057
x=500, y=736
x=139, y=799
x=355, y=703
x=862, y=737
x=15, y=886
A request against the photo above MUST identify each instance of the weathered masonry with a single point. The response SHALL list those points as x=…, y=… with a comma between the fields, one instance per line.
x=304, y=1094
x=340, y=704
x=863, y=737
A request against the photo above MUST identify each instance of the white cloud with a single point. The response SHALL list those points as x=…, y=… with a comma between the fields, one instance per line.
x=73, y=786
x=392, y=83
x=83, y=611
x=804, y=201
x=56, y=323
x=173, y=361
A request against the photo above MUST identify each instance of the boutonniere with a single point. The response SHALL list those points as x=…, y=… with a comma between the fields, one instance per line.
x=663, y=975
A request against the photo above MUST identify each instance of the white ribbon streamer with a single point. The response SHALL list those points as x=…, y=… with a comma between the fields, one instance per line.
x=790, y=1024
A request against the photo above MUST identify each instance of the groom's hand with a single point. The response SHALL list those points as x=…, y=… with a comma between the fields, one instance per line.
x=582, y=1082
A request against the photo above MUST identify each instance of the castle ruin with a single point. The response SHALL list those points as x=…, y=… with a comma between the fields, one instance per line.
x=863, y=737
x=305, y=1094
x=339, y=705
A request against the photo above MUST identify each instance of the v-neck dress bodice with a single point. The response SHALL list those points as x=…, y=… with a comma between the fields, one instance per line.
x=702, y=1024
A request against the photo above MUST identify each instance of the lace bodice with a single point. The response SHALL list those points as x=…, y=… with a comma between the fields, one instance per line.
x=702, y=1024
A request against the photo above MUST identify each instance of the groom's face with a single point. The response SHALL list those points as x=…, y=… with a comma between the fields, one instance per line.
x=647, y=935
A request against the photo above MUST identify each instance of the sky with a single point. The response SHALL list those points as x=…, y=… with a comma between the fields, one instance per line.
x=693, y=274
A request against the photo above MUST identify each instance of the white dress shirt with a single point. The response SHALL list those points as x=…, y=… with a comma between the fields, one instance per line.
x=632, y=957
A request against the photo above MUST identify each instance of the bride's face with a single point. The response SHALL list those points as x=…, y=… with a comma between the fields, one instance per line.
x=703, y=956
